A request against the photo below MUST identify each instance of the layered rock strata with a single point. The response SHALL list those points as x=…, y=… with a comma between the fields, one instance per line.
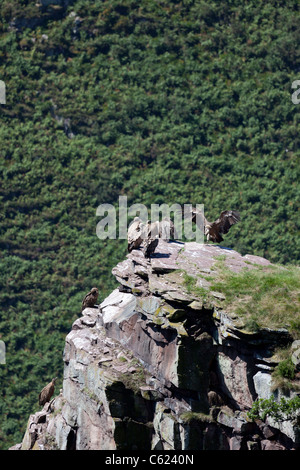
x=161, y=366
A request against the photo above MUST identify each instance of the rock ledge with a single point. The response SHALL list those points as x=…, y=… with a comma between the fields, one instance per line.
x=159, y=367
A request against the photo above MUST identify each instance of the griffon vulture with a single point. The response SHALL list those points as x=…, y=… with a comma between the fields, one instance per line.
x=47, y=392
x=215, y=230
x=90, y=299
x=135, y=234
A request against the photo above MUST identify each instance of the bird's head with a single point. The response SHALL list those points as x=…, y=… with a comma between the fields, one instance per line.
x=53, y=380
x=95, y=290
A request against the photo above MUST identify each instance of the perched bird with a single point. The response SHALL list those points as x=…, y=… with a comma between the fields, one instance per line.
x=167, y=229
x=148, y=234
x=149, y=246
x=90, y=299
x=215, y=230
x=150, y=241
x=47, y=392
x=135, y=234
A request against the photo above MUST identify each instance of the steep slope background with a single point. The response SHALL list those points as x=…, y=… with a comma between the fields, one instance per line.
x=161, y=101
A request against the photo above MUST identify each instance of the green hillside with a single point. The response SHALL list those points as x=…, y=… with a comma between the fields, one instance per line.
x=162, y=101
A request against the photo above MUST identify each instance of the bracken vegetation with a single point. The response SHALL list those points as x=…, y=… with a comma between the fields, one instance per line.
x=162, y=101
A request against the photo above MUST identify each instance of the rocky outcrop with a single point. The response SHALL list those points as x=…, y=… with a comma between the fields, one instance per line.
x=161, y=365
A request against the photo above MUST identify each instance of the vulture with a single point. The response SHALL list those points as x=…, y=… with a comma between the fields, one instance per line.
x=90, y=299
x=148, y=234
x=138, y=232
x=150, y=241
x=47, y=392
x=215, y=230
x=167, y=229
x=149, y=246
x=135, y=234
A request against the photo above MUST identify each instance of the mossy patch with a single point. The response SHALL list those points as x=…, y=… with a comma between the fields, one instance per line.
x=191, y=416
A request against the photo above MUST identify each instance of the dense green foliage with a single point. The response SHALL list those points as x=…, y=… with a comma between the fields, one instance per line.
x=284, y=409
x=163, y=101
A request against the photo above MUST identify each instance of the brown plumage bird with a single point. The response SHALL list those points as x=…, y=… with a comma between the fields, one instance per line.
x=215, y=230
x=149, y=246
x=90, y=299
x=47, y=392
x=135, y=234
x=147, y=234
x=151, y=238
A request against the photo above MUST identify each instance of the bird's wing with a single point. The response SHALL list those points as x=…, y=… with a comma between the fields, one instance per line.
x=149, y=246
x=134, y=230
x=135, y=234
x=83, y=303
x=41, y=398
x=87, y=296
x=226, y=220
x=196, y=215
x=152, y=230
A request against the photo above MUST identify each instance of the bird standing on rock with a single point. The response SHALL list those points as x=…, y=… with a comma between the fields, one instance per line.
x=135, y=234
x=215, y=230
x=147, y=235
x=47, y=392
x=90, y=299
x=151, y=239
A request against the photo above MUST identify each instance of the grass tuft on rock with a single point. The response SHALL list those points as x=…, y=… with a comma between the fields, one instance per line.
x=266, y=297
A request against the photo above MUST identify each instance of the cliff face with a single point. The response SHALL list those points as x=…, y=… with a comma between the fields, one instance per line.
x=162, y=366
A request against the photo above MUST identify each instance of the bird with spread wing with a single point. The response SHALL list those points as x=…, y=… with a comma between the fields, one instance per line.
x=148, y=234
x=221, y=226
